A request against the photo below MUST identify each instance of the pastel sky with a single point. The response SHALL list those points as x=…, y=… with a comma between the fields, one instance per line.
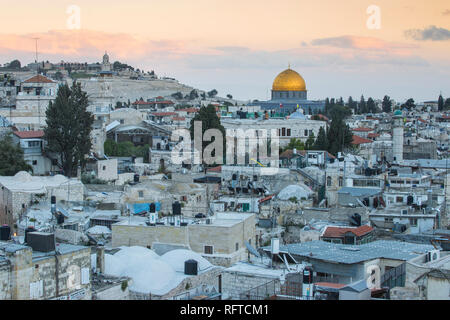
x=239, y=46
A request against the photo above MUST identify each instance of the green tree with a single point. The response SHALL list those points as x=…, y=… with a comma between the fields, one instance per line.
x=210, y=120
x=321, y=142
x=409, y=104
x=447, y=104
x=387, y=104
x=177, y=95
x=294, y=143
x=193, y=94
x=11, y=158
x=212, y=93
x=68, y=127
x=15, y=64
x=371, y=107
x=352, y=104
x=339, y=136
x=440, y=103
x=362, y=109
x=309, y=144
x=229, y=96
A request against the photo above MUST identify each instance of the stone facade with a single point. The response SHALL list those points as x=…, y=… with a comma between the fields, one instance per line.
x=40, y=276
x=235, y=283
x=227, y=239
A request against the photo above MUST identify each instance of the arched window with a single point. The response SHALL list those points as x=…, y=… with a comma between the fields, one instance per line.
x=328, y=181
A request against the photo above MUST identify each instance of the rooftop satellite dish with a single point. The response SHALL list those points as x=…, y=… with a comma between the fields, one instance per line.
x=251, y=249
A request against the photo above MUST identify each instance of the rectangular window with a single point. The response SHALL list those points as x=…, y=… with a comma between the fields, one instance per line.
x=413, y=222
x=141, y=194
x=288, y=132
x=237, y=246
x=399, y=199
x=34, y=162
x=306, y=133
x=208, y=249
x=283, y=132
x=34, y=144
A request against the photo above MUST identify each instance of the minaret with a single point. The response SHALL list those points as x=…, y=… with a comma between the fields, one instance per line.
x=397, y=137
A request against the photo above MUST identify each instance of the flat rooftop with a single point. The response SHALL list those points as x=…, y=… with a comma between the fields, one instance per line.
x=220, y=219
x=350, y=254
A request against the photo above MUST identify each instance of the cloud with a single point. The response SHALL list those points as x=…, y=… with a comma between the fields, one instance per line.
x=355, y=42
x=430, y=33
x=88, y=44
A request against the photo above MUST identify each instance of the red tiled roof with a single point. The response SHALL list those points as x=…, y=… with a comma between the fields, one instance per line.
x=178, y=118
x=321, y=116
x=338, y=232
x=330, y=285
x=266, y=198
x=361, y=129
x=140, y=102
x=373, y=135
x=215, y=169
x=421, y=120
x=164, y=114
x=188, y=110
x=360, y=140
x=39, y=79
x=29, y=134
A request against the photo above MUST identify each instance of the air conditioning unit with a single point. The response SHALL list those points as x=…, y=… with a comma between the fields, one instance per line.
x=433, y=255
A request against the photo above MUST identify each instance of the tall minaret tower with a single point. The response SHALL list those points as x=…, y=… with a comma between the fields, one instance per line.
x=397, y=137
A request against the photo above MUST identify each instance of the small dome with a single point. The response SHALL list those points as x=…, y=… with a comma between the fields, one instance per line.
x=398, y=113
x=23, y=176
x=289, y=80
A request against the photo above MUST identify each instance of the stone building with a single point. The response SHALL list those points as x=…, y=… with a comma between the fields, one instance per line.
x=32, y=102
x=27, y=274
x=220, y=239
x=19, y=192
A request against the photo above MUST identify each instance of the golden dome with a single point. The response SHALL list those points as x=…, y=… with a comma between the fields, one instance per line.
x=289, y=80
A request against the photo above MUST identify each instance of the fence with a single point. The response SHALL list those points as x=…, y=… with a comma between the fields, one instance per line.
x=394, y=277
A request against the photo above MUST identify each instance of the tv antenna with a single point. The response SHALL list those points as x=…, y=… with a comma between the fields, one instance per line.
x=38, y=93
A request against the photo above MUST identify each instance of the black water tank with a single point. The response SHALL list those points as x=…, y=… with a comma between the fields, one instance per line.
x=357, y=218
x=152, y=207
x=308, y=275
x=27, y=230
x=409, y=200
x=60, y=218
x=41, y=241
x=176, y=208
x=136, y=178
x=5, y=233
x=191, y=267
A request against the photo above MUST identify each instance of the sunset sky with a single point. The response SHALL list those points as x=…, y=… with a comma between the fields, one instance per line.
x=239, y=46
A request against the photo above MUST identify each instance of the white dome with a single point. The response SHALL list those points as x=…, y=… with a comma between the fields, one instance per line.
x=293, y=191
x=176, y=259
x=23, y=176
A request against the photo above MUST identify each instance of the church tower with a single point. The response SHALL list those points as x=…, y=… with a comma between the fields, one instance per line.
x=106, y=65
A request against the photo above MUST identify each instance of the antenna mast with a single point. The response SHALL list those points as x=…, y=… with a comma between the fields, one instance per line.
x=38, y=79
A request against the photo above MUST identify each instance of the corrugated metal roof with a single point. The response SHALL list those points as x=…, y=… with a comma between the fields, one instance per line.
x=349, y=254
x=360, y=192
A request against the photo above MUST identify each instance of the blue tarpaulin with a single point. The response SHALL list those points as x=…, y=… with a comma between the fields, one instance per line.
x=157, y=206
x=140, y=207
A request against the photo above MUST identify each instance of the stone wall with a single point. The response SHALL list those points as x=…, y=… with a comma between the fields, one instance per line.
x=235, y=283
x=71, y=236
x=66, y=278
